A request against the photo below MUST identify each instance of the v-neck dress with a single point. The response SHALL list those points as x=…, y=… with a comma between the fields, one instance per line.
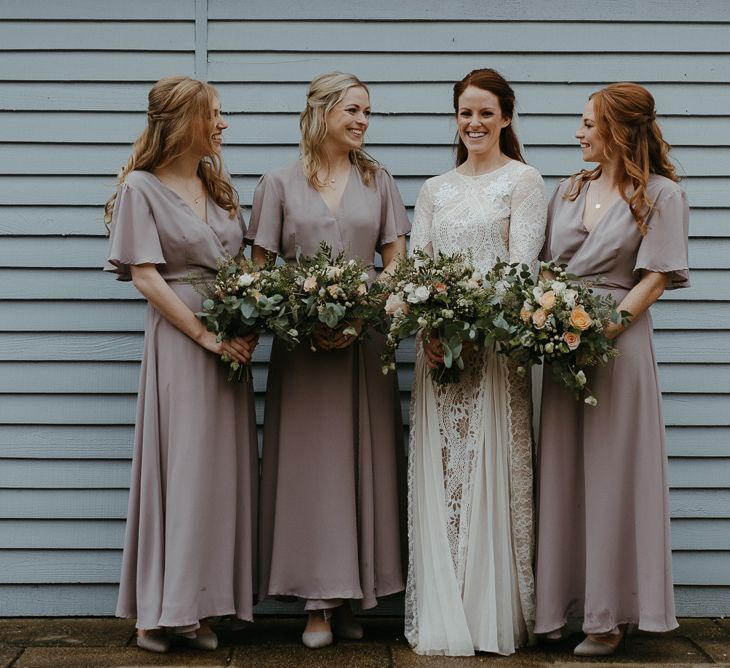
x=330, y=500
x=191, y=527
x=603, y=551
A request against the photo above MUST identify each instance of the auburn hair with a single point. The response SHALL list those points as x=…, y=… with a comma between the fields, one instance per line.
x=625, y=117
x=179, y=117
x=325, y=92
x=493, y=82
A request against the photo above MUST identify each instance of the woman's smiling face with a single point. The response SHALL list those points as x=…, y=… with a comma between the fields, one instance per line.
x=348, y=120
x=479, y=120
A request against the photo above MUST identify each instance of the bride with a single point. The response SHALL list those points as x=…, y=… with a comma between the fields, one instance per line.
x=470, y=534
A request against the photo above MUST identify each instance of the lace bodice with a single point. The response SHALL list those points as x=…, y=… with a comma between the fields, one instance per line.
x=496, y=215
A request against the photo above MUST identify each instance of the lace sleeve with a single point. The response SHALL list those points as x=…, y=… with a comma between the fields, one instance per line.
x=527, y=220
x=422, y=217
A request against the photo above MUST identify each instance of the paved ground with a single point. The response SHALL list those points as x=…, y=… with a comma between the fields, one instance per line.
x=103, y=642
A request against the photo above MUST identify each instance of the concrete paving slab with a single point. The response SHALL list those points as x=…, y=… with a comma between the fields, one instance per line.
x=404, y=657
x=116, y=657
x=8, y=655
x=53, y=632
x=641, y=648
x=724, y=623
x=717, y=650
x=359, y=655
x=700, y=628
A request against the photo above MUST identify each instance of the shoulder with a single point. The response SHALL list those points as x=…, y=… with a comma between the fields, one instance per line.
x=525, y=173
x=141, y=181
x=279, y=178
x=660, y=187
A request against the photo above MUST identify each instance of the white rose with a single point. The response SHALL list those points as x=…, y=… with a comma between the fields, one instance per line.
x=570, y=296
x=244, y=280
x=420, y=294
x=558, y=287
x=364, y=276
x=537, y=292
x=408, y=288
x=333, y=273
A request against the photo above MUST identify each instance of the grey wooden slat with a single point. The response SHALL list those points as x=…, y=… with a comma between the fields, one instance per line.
x=95, y=190
x=292, y=66
x=107, y=36
x=87, y=221
x=79, y=66
x=259, y=128
x=687, y=409
x=702, y=601
x=65, y=284
x=90, y=252
x=49, y=221
x=87, y=10
x=64, y=474
x=74, y=316
x=698, y=441
x=66, y=441
x=691, y=378
x=680, y=98
x=701, y=568
x=699, y=473
x=128, y=316
x=59, y=566
x=103, y=566
x=423, y=161
x=84, y=377
x=687, y=503
x=59, y=534
x=700, y=535
x=463, y=37
x=63, y=504
x=57, y=600
x=496, y=10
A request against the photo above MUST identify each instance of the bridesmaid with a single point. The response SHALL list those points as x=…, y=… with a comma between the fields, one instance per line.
x=191, y=526
x=330, y=529
x=603, y=549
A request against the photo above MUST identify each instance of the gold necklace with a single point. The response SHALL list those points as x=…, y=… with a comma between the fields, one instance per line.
x=195, y=199
x=599, y=195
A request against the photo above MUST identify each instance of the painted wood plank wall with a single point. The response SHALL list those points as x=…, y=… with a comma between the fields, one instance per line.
x=73, y=82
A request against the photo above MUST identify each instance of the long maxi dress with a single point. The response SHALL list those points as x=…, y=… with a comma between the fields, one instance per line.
x=470, y=524
x=603, y=551
x=330, y=527
x=191, y=527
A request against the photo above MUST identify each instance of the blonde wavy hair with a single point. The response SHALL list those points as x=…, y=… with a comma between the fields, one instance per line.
x=325, y=92
x=625, y=118
x=179, y=117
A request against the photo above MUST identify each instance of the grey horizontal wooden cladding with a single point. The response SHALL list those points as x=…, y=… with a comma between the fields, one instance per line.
x=74, y=78
x=673, y=99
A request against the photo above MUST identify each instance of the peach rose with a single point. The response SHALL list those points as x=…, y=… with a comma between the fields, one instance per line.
x=440, y=287
x=571, y=339
x=361, y=289
x=547, y=301
x=525, y=315
x=333, y=289
x=310, y=285
x=580, y=319
x=395, y=303
x=539, y=318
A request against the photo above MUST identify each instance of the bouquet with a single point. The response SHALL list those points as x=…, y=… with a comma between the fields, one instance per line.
x=334, y=292
x=558, y=320
x=244, y=299
x=443, y=296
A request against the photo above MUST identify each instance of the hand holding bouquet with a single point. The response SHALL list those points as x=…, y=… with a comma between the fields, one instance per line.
x=336, y=303
x=443, y=297
x=244, y=299
x=558, y=319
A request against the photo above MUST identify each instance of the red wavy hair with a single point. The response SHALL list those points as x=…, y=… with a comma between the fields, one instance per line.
x=625, y=117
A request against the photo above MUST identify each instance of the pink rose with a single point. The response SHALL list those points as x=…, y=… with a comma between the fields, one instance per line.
x=310, y=285
x=395, y=303
x=571, y=339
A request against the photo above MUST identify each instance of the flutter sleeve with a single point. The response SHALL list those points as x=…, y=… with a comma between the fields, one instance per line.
x=394, y=221
x=664, y=247
x=527, y=220
x=545, y=253
x=267, y=215
x=133, y=236
x=422, y=219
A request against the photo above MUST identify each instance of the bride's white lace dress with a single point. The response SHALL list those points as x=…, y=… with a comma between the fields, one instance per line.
x=470, y=506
